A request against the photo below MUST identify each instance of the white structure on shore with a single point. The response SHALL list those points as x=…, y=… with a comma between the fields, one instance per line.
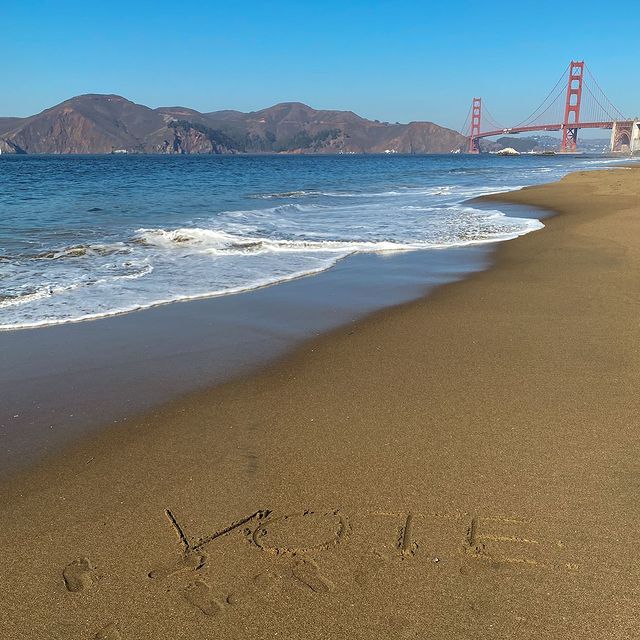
x=625, y=136
x=507, y=151
x=635, y=137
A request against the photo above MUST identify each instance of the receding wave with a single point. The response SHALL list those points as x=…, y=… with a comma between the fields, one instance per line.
x=178, y=297
x=26, y=296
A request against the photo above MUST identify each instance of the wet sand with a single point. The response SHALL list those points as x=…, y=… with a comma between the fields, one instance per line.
x=464, y=466
x=63, y=382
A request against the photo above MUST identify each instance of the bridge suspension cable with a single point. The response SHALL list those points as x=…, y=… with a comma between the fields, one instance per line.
x=557, y=91
x=610, y=110
x=487, y=117
x=465, y=127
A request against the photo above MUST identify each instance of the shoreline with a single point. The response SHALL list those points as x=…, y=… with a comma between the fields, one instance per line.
x=429, y=470
x=56, y=376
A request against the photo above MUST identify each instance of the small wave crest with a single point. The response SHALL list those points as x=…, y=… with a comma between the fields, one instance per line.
x=285, y=194
x=205, y=239
x=399, y=191
x=605, y=161
x=220, y=242
x=72, y=251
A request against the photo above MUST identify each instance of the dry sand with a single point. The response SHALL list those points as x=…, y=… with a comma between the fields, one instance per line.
x=466, y=466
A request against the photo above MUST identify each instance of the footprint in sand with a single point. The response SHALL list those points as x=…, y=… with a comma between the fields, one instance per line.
x=306, y=571
x=199, y=595
x=261, y=583
x=79, y=575
x=110, y=632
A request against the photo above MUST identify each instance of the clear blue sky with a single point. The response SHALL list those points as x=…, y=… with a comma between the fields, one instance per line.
x=386, y=60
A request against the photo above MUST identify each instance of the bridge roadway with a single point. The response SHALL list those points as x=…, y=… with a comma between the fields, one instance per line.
x=547, y=127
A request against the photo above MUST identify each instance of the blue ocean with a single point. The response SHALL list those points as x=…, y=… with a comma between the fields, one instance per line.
x=83, y=237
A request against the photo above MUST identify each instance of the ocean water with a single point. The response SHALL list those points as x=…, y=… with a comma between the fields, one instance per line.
x=93, y=236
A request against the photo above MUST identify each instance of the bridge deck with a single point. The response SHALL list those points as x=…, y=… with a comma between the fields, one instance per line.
x=545, y=127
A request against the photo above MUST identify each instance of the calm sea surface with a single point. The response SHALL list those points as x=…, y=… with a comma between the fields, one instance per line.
x=86, y=237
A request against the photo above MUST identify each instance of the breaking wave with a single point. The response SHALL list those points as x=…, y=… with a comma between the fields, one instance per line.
x=236, y=251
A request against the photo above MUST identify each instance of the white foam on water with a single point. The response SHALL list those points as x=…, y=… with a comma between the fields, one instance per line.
x=605, y=161
x=237, y=251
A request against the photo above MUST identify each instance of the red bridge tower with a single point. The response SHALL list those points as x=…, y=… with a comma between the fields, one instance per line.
x=476, y=115
x=572, y=106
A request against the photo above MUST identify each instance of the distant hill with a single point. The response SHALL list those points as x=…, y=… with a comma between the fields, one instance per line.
x=97, y=123
x=6, y=124
x=543, y=143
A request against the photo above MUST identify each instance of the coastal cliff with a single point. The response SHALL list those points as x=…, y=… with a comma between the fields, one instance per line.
x=97, y=123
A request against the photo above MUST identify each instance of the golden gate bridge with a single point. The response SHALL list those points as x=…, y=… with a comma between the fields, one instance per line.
x=575, y=102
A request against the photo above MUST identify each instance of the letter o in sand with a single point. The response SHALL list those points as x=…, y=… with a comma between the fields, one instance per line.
x=301, y=532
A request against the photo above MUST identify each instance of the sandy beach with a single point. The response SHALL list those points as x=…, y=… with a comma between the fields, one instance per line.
x=463, y=466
